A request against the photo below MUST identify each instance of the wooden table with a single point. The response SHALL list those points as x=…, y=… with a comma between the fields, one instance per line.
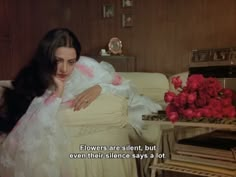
x=169, y=138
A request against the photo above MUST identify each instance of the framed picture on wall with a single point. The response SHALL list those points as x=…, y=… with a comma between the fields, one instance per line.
x=127, y=20
x=201, y=55
x=221, y=54
x=233, y=55
x=108, y=10
x=127, y=3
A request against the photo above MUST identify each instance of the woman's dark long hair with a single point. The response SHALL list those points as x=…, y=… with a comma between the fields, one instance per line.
x=33, y=80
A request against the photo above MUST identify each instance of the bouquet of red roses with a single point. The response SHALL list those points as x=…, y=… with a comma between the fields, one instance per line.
x=201, y=97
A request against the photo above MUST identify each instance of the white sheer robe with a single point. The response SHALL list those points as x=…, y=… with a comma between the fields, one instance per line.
x=39, y=145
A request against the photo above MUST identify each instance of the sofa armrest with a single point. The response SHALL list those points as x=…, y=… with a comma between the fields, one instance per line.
x=153, y=85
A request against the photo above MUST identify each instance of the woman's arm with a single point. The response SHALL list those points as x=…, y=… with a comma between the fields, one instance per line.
x=97, y=78
x=86, y=97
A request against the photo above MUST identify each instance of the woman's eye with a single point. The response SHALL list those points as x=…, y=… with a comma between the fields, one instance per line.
x=71, y=62
x=58, y=61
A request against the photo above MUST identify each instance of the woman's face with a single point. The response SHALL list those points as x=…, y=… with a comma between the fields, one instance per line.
x=66, y=60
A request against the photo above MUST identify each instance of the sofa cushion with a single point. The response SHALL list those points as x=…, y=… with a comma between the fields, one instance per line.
x=97, y=114
x=153, y=85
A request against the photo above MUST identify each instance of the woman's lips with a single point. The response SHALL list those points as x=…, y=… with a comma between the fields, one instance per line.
x=62, y=76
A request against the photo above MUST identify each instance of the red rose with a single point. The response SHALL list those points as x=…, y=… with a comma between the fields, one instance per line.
x=205, y=112
x=228, y=93
x=200, y=97
x=213, y=86
x=177, y=82
x=194, y=81
x=226, y=102
x=169, y=96
x=215, y=104
x=200, y=102
x=229, y=111
x=181, y=99
x=188, y=113
x=197, y=113
x=212, y=92
x=192, y=106
x=203, y=94
x=192, y=97
x=216, y=114
x=173, y=116
x=170, y=108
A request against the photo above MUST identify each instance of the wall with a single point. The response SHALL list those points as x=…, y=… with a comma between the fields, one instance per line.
x=163, y=35
x=165, y=31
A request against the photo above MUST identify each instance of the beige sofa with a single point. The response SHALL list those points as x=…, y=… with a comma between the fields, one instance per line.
x=153, y=85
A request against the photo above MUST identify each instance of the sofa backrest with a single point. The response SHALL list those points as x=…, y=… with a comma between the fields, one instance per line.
x=153, y=85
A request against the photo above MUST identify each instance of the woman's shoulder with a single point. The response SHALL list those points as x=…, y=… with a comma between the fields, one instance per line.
x=87, y=60
x=87, y=66
x=92, y=63
x=91, y=68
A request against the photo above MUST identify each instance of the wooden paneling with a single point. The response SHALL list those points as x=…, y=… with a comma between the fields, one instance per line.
x=163, y=35
x=5, y=62
x=165, y=31
x=120, y=63
x=5, y=40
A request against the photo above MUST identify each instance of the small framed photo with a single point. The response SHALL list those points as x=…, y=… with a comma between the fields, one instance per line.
x=127, y=20
x=233, y=54
x=221, y=54
x=108, y=11
x=201, y=55
x=127, y=3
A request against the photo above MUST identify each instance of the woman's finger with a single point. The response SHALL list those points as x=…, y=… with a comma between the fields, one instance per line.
x=80, y=103
x=86, y=97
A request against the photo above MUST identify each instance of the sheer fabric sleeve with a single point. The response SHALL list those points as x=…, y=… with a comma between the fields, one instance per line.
x=36, y=141
x=123, y=89
x=89, y=72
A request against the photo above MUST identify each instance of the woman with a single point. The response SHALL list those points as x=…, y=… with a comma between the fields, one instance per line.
x=43, y=131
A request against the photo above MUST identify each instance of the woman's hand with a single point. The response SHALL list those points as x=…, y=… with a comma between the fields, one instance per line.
x=59, y=86
x=86, y=97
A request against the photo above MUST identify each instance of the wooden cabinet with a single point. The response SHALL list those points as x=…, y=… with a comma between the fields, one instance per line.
x=120, y=62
